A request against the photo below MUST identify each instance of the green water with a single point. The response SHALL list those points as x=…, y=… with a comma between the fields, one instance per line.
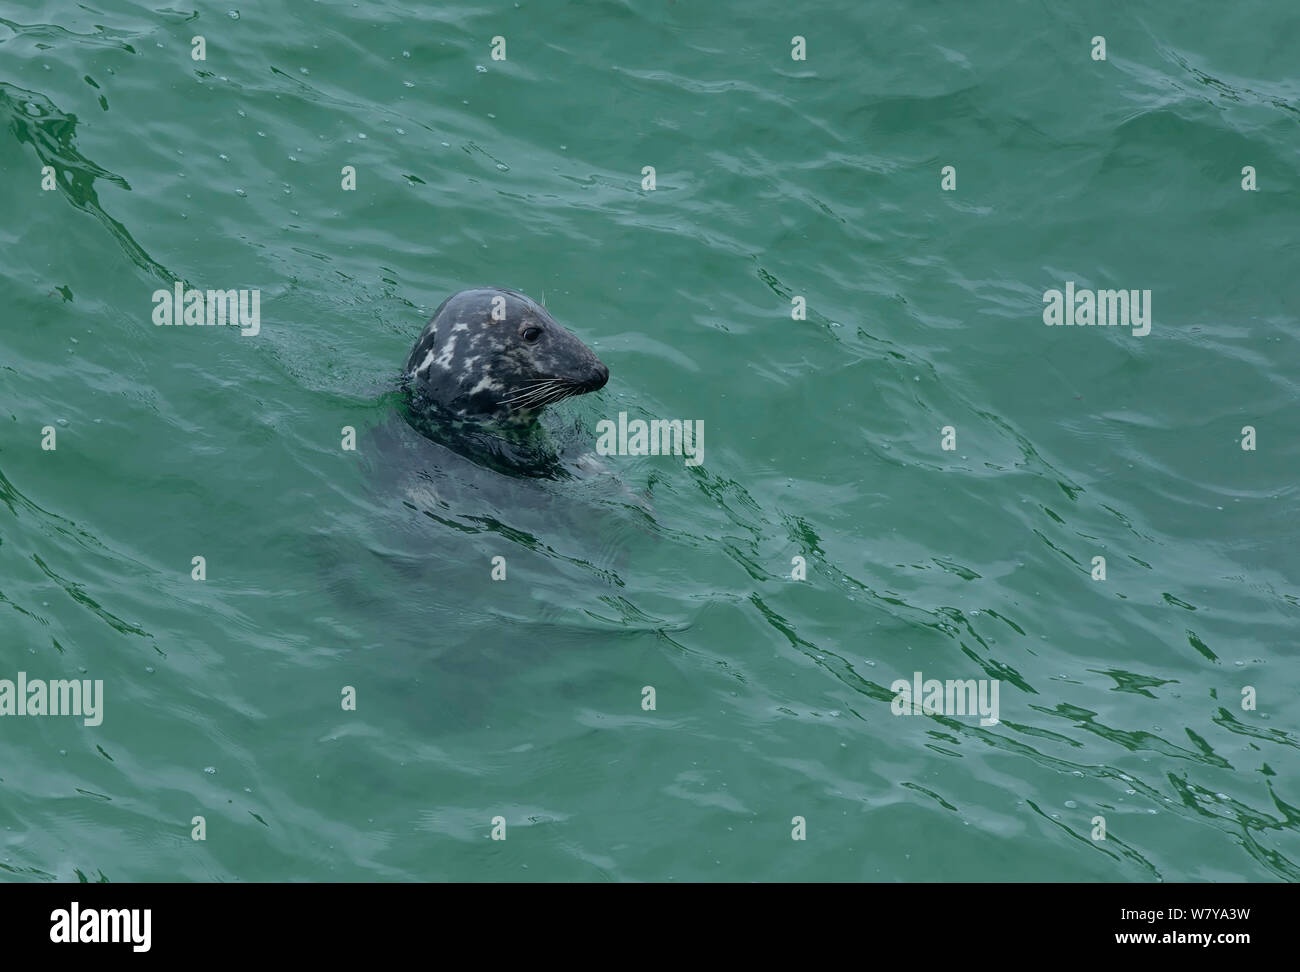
x=521, y=699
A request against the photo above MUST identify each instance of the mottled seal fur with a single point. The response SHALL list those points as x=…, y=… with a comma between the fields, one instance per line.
x=496, y=356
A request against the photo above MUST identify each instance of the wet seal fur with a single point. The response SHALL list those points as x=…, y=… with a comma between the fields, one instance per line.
x=493, y=355
x=484, y=367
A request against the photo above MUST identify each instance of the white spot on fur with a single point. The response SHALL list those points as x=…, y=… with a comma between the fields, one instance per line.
x=486, y=384
x=444, y=359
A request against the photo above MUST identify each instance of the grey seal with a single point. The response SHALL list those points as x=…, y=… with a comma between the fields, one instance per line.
x=491, y=355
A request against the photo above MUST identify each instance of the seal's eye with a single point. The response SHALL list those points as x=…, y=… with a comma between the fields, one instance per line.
x=531, y=334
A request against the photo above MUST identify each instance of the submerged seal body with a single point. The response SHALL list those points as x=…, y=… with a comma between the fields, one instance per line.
x=496, y=356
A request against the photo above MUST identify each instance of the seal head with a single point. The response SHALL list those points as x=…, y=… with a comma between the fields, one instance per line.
x=494, y=355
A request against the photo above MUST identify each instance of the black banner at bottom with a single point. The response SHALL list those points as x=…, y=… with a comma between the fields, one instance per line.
x=337, y=921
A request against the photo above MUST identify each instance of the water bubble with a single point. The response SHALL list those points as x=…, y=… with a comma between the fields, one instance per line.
x=240, y=192
x=210, y=770
x=1071, y=805
x=409, y=84
x=232, y=14
x=480, y=69
x=406, y=53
